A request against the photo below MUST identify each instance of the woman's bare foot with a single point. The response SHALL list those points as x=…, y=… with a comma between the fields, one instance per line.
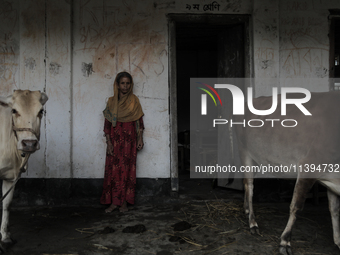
x=123, y=208
x=111, y=208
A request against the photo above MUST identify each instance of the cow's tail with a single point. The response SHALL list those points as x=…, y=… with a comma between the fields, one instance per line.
x=231, y=139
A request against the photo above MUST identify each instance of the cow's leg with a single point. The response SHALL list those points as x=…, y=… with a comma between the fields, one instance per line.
x=248, y=182
x=334, y=206
x=301, y=189
x=248, y=202
x=5, y=235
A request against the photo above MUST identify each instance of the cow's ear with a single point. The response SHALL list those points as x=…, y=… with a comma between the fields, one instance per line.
x=43, y=98
x=6, y=101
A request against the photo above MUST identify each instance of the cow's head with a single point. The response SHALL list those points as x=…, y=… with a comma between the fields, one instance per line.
x=27, y=110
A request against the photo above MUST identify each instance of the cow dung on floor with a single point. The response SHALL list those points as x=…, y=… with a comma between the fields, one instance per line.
x=107, y=230
x=181, y=226
x=135, y=229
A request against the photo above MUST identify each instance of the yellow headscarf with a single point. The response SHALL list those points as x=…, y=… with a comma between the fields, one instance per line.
x=127, y=108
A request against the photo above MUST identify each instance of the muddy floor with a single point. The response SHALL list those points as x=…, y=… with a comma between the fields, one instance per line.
x=212, y=226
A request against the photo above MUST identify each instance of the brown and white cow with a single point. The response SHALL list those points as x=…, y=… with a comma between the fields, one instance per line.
x=20, y=119
x=314, y=140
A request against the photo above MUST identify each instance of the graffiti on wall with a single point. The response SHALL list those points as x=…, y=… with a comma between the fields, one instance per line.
x=143, y=61
x=214, y=6
x=297, y=5
x=8, y=60
x=98, y=24
x=58, y=43
x=118, y=41
x=9, y=47
x=306, y=52
x=265, y=52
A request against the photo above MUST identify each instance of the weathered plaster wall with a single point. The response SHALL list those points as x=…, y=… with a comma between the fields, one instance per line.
x=291, y=43
x=266, y=46
x=113, y=36
x=73, y=50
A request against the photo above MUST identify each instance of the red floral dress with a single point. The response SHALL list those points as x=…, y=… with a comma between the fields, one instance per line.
x=120, y=169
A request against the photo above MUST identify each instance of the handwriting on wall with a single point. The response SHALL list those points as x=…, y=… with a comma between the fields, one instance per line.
x=297, y=5
x=143, y=60
x=112, y=38
x=8, y=60
x=206, y=7
x=305, y=50
x=99, y=24
x=302, y=48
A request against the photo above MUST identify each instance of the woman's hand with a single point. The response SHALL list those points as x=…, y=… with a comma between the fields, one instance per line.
x=140, y=143
x=109, y=148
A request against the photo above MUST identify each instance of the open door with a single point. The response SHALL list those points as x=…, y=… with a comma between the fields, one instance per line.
x=231, y=64
x=197, y=43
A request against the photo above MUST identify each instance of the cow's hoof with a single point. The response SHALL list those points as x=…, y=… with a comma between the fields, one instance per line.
x=5, y=245
x=254, y=230
x=286, y=250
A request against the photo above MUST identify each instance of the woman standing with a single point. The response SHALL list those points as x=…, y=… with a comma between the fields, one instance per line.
x=123, y=129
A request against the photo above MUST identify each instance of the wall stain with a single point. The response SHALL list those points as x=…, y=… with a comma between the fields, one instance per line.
x=86, y=69
x=54, y=68
x=103, y=61
x=321, y=72
x=166, y=5
x=264, y=64
x=30, y=63
x=234, y=6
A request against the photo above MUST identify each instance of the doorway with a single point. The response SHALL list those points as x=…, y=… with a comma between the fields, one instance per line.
x=201, y=46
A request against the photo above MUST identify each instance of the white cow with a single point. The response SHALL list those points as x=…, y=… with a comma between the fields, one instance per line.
x=313, y=147
x=20, y=116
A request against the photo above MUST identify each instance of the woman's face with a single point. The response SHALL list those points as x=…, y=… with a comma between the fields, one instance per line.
x=124, y=85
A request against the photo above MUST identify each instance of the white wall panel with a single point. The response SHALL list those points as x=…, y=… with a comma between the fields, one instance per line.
x=32, y=68
x=115, y=41
x=58, y=88
x=304, y=51
x=9, y=47
x=266, y=46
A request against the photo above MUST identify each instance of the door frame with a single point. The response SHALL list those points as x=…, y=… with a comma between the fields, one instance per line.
x=212, y=19
x=334, y=16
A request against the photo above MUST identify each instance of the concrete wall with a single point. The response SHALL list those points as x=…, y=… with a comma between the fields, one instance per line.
x=73, y=50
